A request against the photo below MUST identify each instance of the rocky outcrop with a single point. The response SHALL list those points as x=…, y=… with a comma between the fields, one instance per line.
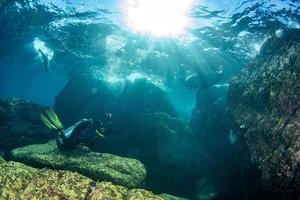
x=87, y=97
x=84, y=97
x=209, y=120
x=143, y=97
x=20, y=124
x=2, y=2
x=264, y=104
x=18, y=181
x=165, y=146
x=217, y=146
x=98, y=166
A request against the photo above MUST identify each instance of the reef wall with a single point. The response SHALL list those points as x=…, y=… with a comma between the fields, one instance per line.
x=264, y=104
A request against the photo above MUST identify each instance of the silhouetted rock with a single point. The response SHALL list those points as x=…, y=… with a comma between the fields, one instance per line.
x=218, y=146
x=209, y=119
x=84, y=97
x=87, y=97
x=143, y=97
x=264, y=104
x=98, y=166
x=20, y=124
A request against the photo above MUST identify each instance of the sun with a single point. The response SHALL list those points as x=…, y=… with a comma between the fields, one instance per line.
x=158, y=17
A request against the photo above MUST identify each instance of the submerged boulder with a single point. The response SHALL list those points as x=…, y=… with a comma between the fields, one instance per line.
x=98, y=166
x=84, y=97
x=143, y=97
x=18, y=181
x=264, y=103
x=87, y=97
x=218, y=146
x=20, y=124
x=164, y=144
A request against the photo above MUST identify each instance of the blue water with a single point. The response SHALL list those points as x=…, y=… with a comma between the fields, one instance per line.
x=227, y=33
x=91, y=36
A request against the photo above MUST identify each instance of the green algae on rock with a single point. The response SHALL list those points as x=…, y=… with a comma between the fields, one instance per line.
x=19, y=181
x=264, y=103
x=98, y=166
x=106, y=190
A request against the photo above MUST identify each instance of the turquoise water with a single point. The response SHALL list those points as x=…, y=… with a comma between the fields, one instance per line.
x=187, y=52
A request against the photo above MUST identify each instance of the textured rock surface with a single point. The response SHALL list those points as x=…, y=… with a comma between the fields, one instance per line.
x=18, y=182
x=98, y=166
x=264, y=103
x=143, y=97
x=20, y=124
x=106, y=190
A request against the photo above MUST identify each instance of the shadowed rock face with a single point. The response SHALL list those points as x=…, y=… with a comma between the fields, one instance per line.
x=87, y=97
x=264, y=104
x=98, y=166
x=20, y=124
x=83, y=97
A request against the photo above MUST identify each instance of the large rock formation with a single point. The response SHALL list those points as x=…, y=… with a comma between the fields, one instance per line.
x=98, y=166
x=87, y=97
x=209, y=120
x=163, y=144
x=143, y=123
x=218, y=146
x=84, y=97
x=143, y=97
x=20, y=124
x=264, y=103
x=18, y=182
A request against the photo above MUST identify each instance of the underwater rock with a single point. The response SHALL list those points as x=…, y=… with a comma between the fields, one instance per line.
x=170, y=197
x=20, y=124
x=18, y=181
x=87, y=97
x=209, y=109
x=83, y=97
x=143, y=97
x=164, y=144
x=264, y=103
x=106, y=190
x=98, y=166
x=218, y=146
x=155, y=137
x=205, y=190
